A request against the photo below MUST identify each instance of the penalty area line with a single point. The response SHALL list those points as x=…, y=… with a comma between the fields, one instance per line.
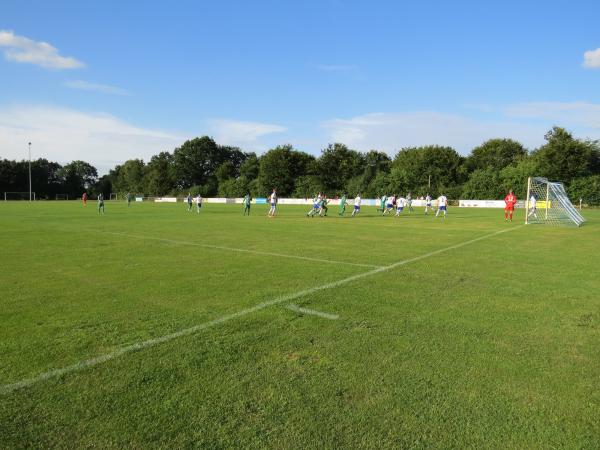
x=240, y=250
x=312, y=312
x=56, y=373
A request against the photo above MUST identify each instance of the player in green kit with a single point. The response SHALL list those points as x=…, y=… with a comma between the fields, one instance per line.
x=247, y=202
x=383, y=199
x=343, y=203
x=128, y=199
x=323, y=207
x=101, y=204
x=189, y=201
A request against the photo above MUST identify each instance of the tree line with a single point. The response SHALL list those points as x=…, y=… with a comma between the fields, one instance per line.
x=202, y=166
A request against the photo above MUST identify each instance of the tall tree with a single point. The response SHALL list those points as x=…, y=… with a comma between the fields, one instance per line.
x=495, y=154
x=338, y=164
x=159, y=178
x=130, y=177
x=563, y=158
x=196, y=161
x=413, y=167
x=76, y=177
x=280, y=167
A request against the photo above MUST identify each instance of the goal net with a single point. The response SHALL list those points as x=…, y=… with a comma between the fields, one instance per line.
x=18, y=196
x=62, y=197
x=114, y=196
x=547, y=202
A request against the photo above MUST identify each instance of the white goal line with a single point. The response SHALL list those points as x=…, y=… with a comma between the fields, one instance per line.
x=7, y=388
x=240, y=250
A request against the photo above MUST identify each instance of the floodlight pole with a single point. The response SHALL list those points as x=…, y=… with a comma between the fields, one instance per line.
x=29, y=145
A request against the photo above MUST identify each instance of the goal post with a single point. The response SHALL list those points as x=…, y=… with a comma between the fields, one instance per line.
x=18, y=196
x=62, y=197
x=114, y=196
x=547, y=202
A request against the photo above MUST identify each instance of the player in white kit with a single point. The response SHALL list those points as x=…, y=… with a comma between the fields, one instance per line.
x=400, y=204
x=357, y=201
x=273, y=201
x=428, y=204
x=442, y=205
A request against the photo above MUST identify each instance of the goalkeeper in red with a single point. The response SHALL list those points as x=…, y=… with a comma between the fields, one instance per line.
x=510, y=201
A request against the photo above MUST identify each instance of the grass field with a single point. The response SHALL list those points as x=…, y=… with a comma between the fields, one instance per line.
x=174, y=329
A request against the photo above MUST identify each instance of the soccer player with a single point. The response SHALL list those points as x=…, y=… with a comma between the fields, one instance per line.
x=356, y=205
x=273, y=201
x=400, y=205
x=510, y=201
x=391, y=202
x=84, y=199
x=323, y=209
x=442, y=205
x=315, y=207
x=247, y=202
x=343, y=203
x=383, y=200
x=128, y=199
x=198, y=203
x=532, y=207
x=101, y=203
x=409, y=202
x=428, y=203
x=189, y=201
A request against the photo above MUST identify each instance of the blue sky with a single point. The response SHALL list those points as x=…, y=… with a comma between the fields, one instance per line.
x=128, y=79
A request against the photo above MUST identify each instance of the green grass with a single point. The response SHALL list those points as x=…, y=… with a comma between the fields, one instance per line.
x=492, y=344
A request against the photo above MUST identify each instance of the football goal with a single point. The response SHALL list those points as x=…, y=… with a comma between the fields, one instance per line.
x=547, y=202
x=62, y=196
x=114, y=196
x=18, y=196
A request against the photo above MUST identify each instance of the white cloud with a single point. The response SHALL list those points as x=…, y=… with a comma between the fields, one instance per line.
x=573, y=114
x=24, y=50
x=241, y=133
x=591, y=59
x=96, y=87
x=62, y=135
x=393, y=131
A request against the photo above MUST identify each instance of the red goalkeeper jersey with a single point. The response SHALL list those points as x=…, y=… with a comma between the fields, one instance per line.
x=510, y=200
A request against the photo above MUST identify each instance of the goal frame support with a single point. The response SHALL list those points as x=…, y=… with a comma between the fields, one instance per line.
x=30, y=195
x=527, y=200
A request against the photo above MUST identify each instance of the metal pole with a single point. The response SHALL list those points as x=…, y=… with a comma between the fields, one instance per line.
x=547, y=197
x=29, y=145
x=527, y=200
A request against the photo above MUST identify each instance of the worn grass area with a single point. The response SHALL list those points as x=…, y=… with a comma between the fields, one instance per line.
x=491, y=344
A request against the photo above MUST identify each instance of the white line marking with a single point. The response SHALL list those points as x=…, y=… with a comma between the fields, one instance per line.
x=241, y=250
x=312, y=312
x=7, y=388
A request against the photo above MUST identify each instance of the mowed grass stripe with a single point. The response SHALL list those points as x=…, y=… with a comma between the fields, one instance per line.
x=240, y=250
x=5, y=389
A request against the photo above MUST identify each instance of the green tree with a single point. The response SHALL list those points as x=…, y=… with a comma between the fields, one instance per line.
x=585, y=188
x=130, y=177
x=76, y=177
x=195, y=162
x=337, y=165
x=515, y=176
x=412, y=168
x=495, y=154
x=159, y=175
x=563, y=158
x=483, y=184
x=250, y=167
x=280, y=167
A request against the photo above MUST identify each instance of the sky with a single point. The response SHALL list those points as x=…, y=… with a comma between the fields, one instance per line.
x=108, y=81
